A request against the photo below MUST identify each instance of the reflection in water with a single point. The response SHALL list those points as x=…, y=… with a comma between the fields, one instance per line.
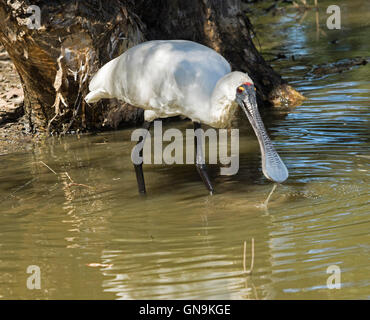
x=71, y=206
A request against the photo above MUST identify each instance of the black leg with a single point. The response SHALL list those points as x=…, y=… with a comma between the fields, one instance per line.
x=200, y=161
x=139, y=167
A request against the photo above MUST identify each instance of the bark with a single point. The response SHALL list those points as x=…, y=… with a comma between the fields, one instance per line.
x=76, y=38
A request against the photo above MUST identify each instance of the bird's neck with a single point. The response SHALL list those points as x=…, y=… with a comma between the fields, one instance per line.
x=222, y=101
x=223, y=108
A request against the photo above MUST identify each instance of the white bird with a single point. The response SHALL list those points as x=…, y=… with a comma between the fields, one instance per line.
x=167, y=78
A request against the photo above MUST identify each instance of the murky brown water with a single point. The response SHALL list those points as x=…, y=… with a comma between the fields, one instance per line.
x=101, y=240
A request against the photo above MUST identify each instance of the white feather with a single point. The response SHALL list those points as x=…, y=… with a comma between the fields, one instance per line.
x=178, y=77
x=174, y=77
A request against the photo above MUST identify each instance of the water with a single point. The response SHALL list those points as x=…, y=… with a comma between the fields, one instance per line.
x=98, y=239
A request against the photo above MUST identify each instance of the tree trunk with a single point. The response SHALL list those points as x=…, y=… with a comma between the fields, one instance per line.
x=55, y=62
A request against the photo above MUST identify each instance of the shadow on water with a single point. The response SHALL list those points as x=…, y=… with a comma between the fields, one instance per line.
x=71, y=206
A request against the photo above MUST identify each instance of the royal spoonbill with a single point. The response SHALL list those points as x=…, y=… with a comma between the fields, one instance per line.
x=177, y=77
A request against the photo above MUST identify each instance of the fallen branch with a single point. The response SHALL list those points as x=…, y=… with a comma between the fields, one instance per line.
x=78, y=185
x=338, y=66
x=42, y=162
x=73, y=184
x=19, y=188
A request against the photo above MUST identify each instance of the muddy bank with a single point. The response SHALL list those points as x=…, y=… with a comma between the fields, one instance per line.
x=13, y=135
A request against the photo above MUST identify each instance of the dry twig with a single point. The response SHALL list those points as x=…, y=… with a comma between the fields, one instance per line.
x=245, y=258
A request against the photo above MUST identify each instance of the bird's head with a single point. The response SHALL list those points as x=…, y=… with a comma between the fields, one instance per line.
x=272, y=165
x=246, y=97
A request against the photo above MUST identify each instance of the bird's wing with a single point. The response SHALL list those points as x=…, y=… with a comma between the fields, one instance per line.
x=171, y=77
x=196, y=76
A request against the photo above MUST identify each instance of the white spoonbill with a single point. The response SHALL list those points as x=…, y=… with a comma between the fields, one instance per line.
x=176, y=77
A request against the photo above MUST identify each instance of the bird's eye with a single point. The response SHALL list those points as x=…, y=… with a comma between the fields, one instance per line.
x=240, y=90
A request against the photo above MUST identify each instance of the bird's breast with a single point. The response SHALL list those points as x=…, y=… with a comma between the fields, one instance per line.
x=223, y=115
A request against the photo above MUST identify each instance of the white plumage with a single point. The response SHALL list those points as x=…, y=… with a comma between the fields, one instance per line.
x=177, y=77
x=169, y=78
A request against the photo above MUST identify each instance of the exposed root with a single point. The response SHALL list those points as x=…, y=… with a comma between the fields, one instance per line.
x=286, y=95
x=59, y=96
x=82, y=75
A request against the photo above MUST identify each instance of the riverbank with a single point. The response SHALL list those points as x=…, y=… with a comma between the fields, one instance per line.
x=12, y=130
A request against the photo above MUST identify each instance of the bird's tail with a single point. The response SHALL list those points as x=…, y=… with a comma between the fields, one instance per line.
x=96, y=95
